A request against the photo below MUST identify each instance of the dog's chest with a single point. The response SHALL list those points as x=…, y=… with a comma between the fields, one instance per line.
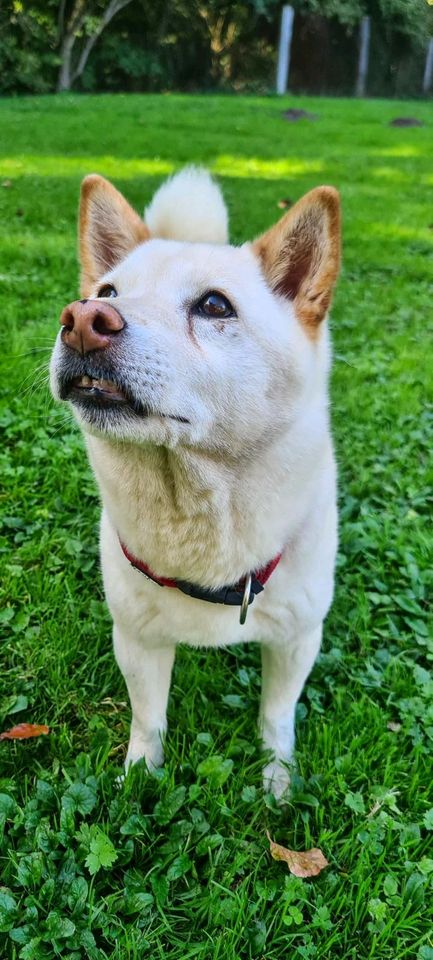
x=191, y=523
x=202, y=526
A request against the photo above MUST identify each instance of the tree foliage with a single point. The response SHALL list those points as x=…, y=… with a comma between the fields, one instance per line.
x=181, y=44
x=80, y=23
x=411, y=18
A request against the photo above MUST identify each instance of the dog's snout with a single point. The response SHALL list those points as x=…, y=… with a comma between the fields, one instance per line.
x=90, y=325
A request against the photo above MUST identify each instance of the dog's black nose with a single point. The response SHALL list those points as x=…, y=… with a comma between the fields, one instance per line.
x=90, y=325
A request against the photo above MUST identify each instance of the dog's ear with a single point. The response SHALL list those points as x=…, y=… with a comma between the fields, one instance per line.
x=108, y=229
x=300, y=255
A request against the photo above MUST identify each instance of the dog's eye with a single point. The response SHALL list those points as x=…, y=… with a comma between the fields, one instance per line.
x=215, y=305
x=107, y=291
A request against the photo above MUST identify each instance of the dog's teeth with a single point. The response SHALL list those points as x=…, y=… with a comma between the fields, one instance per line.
x=106, y=386
x=109, y=387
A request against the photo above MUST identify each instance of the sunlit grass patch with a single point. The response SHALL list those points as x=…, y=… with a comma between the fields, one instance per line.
x=60, y=166
x=256, y=168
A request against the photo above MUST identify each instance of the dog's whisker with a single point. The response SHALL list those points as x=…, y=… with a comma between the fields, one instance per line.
x=35, y=375
x=67, y=421
x=42, y=365
x=33, y=386
x=48, y=340
x=37, y=385
x=30, y=353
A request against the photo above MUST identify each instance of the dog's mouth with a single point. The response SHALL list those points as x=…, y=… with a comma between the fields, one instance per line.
x=91, y=393
x=97, y=388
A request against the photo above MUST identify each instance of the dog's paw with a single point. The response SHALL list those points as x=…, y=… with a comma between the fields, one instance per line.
x=276, y=780
x=137, y=750
x=153, y=769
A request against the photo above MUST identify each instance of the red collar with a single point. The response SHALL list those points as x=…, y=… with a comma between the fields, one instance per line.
x=240, y=594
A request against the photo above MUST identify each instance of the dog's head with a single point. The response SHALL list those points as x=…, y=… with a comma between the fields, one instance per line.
x=204, y=345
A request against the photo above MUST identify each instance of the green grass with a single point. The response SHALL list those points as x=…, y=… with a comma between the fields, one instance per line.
x=178, y=866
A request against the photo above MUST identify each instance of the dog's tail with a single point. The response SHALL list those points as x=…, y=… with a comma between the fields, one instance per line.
x=188, y=206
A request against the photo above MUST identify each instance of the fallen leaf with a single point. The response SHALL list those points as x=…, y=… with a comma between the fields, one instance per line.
x=6, y=183
x=394, y=727
x=284, y=203
x=302, y=863
x=23, y=731
x=116, y=705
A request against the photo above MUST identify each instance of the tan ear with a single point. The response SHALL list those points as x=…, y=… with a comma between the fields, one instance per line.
x=108, y=230
x=300, y=255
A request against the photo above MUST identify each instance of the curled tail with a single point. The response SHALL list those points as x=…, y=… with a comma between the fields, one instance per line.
x=189, y=206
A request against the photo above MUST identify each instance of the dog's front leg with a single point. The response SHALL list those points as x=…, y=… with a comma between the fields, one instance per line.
x=147, y=674
x=285, y=668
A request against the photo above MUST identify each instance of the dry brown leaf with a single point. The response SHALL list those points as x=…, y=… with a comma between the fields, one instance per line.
x=284, y=203
x=116, y=705
x=302, y=863
x=23, y=731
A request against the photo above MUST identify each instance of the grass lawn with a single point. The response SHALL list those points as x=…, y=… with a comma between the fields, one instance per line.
x=179, y=866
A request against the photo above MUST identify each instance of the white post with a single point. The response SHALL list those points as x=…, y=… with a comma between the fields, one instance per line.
x=364, y=44
x=428, y=72
x=286, y=31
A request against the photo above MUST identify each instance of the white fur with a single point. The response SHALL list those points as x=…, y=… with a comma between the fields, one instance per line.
x=251, y=473
x=188, y=206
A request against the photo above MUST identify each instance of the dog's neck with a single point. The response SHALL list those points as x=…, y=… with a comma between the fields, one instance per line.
x=199, y=517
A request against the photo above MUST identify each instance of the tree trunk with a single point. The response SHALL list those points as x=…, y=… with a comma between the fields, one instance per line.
x=64, y=81
x=113, y=7
x=67, y=73
x=67, y=35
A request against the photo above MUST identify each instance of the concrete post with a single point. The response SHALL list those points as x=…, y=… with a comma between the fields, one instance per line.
x=364, y=45
x=283, y=65
x=428, y=71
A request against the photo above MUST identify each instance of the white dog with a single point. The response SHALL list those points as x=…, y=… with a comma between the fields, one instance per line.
x=198, y=372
